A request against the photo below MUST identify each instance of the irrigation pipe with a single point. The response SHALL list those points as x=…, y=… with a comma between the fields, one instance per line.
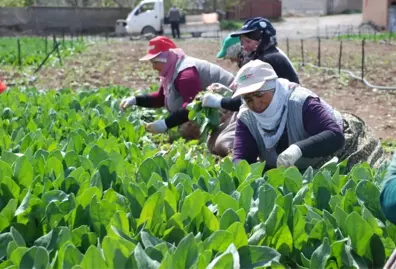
x=351, y=74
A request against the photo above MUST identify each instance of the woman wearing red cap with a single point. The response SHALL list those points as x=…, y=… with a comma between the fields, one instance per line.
x=181, y=78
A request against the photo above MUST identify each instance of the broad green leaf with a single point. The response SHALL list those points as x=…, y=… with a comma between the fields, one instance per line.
x=23, y=171
x=100, y=213
x=35, y=257
x=219, y=240
x=340, y=216
x=9, y=189
x=120, y=222
x=86, y=197
x=350, y=201
x=116, y=251
x=240, y=237
x=321, y=255
x=186, y=253
x=341, y=254
x=192, y=205
x=360, y=233
x=283, y=241
x=228, y=218
x=245, y=199
x=274, y=221
x=93, y=259
x=226, y=183
x=136, y=198
x=97, y=155
x=257, y=234
x=369, y=195
x=228, y=259
x=8, y=211
x=224, y=202
x=5, y=170
x=322, y=191
x=4, y=222
x=275, y=178
x=300, y=236
x=152, y=210
x=17, y=254
x=242, y=170
x=114, y=197
x=210, y=221
x=24, y=204
x=17, y=237
x=72, y=257
x=150, y=240
x=257, y=256
x=300, y=196
x=143, y=260
x=267, y=196
x=147, y=168
x=55, y=239
x=377, y=251
x=367, y=216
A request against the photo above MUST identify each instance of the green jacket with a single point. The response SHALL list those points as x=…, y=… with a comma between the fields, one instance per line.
x=388, y=193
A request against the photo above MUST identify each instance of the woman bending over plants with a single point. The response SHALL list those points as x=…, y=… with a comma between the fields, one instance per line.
x=181, y=78
x=285, y=124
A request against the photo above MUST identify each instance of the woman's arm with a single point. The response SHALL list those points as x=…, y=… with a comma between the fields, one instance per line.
x=326, y=136
x=245, y=146
x=232, y=104
x=388, y=192
x=152, y=100
x=188, y=84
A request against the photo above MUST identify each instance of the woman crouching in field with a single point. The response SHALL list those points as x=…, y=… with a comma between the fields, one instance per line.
x=285, y=124
x=181, y=78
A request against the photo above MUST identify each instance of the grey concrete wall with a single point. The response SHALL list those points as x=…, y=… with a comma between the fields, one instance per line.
x=61, y=19
x=304, y=7
x=319, y=7
x=339, y=6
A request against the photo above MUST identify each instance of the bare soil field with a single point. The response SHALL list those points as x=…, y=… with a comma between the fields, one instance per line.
x=116, y=63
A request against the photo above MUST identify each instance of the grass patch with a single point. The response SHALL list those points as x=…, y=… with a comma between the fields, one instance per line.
x=377, y=36
x=230, y=25
x=389, y=146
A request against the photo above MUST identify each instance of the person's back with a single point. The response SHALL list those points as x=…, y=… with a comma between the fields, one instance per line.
x=174, y=15
x=174, y=18
x=281, y=64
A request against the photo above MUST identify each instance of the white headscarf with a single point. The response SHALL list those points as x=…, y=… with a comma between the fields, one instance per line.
x=271, y=123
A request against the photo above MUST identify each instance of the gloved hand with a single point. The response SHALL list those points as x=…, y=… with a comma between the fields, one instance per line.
x=212, y=100
x=127, y=102
x=158, y=126
x=218, y=88
x=289, y=157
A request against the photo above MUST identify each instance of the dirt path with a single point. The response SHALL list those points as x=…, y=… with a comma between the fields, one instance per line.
x=117, y=64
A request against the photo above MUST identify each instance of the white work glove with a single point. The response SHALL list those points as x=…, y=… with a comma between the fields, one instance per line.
x=289, y=157
x=127, y=102
x=211, y=100
x=219, y=88
x=158, y=126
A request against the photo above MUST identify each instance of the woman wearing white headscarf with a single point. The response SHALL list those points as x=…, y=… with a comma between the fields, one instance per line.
x=285, y=124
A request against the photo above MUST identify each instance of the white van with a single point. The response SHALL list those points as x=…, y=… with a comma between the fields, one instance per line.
x=148, y=18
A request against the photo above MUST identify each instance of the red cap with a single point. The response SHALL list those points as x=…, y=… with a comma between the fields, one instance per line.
x=156, y=46
x=3, y=87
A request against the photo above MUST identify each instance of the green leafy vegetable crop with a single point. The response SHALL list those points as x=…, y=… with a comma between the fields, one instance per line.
x=33, y=50
x=83, y=186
